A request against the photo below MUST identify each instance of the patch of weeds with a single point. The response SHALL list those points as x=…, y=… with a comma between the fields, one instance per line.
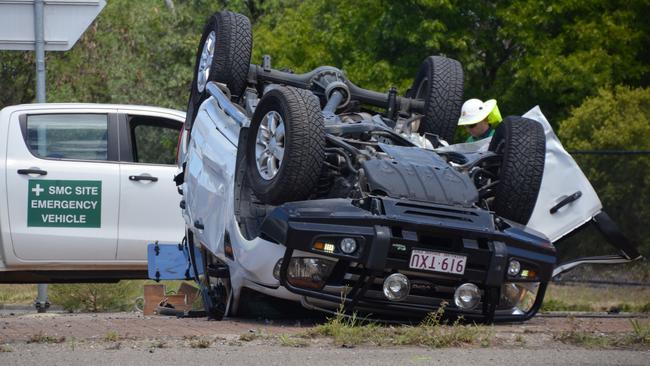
x=44, y=338
x=431, y=332
x=639, y=336
x=5, y=349
x=558, y=305
x=520, y=340
x=288, y=341
x=159, y=344
x=645, y=308
x=250, y=336
x=641, y=332
x=233, y=342
x=111, y=336
x=114, y=346
x=200, y=342
x=73, y=343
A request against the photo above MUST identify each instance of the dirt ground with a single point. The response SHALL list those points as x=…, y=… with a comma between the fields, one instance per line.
x=58, y=338
x=21, y=327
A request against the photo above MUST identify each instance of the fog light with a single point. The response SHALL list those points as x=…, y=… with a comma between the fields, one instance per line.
x=348, y=245
x=309, y=272
x=514, y=267
x=396, y=287
x=467, y=296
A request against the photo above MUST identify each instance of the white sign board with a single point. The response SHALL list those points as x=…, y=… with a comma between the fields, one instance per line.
x=64, y=22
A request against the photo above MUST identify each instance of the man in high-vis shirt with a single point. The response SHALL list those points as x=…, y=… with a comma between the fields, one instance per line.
x=479, y=118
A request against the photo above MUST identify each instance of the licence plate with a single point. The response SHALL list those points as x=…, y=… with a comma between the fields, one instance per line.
x=437, y=261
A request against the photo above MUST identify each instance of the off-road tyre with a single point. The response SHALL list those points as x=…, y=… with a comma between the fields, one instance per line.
x=522, y=144
x=231, y=60
x=439, y=82
x=304, y=146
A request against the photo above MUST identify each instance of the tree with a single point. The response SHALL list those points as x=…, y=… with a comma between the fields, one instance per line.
x=616, y=119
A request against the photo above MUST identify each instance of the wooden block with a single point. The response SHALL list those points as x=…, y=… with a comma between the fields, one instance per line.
x=189, y=290
x=179, y=302
x=153, y=294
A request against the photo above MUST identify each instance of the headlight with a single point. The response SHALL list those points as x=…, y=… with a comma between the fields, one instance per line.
x=519, y=297
x=308, y=272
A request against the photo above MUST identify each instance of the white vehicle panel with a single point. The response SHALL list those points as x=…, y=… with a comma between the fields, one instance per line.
x=562, y=177
x=210, y=173
x=59, y=243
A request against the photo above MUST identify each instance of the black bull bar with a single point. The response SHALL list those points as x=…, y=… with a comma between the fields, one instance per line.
x=372, y=221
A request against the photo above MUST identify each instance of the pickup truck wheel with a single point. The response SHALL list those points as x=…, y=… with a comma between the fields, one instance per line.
x=522, y=144
x=223, y=55
x=439, y=82
x=286, y=145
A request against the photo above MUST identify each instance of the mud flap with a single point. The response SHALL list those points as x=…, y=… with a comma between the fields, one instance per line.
x=167, y=261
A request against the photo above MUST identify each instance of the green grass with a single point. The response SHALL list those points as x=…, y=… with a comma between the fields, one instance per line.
x=91, y=297
x=605, y=298
x=431, y=332
x=17, y=294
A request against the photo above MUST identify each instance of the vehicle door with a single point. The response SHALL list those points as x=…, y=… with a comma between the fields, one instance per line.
x=63, y=184
x=149, y=202
x=567, y=201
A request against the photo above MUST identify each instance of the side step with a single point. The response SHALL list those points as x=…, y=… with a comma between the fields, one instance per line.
x=603, y=259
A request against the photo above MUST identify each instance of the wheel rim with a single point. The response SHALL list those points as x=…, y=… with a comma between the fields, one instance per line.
x=205, y=62
x=269, y=145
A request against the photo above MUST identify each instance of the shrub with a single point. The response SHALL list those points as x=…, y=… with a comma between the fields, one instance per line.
x=95, y=297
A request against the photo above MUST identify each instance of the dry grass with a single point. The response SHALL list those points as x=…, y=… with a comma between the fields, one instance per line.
x=17, y=294
x=351, y=331
x=44, y=338
x=606, y=298
x=638, y=336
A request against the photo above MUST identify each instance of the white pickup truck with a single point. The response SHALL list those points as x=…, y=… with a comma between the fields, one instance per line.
x=84, y=188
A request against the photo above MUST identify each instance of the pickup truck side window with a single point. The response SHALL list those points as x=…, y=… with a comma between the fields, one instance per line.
x=68, y=136
x=154, y=141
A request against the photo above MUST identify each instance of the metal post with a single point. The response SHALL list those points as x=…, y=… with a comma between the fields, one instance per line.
x=42, y=302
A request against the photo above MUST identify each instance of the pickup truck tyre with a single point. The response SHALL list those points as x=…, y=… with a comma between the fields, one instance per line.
x=223, y=55
x=439, y=82
x=286, y=145
x=522, y=144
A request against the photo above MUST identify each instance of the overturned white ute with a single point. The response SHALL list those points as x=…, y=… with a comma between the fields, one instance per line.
x=295, y=187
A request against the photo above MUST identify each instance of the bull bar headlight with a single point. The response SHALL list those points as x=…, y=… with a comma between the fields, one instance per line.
x=518, y=296
x=306, y=272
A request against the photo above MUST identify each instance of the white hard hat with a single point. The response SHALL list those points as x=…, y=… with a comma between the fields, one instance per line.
x=474, y=111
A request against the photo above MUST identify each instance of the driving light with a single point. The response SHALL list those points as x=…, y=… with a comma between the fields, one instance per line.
x=514, y=267
x=309, y=272
x=348, y=245
x=396, y=287
x=467, y=296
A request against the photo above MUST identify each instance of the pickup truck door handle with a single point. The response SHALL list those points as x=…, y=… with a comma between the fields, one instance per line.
x=32, y=171
x=143, y=177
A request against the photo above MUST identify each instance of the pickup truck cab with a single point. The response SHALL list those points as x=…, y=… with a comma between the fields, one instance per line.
x=84, y=188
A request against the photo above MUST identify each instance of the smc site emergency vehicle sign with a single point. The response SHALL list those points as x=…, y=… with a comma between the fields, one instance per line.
x=64, y=203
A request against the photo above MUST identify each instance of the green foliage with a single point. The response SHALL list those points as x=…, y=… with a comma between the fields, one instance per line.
x=95, y=297
x=560, y=54
x=617, y=119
